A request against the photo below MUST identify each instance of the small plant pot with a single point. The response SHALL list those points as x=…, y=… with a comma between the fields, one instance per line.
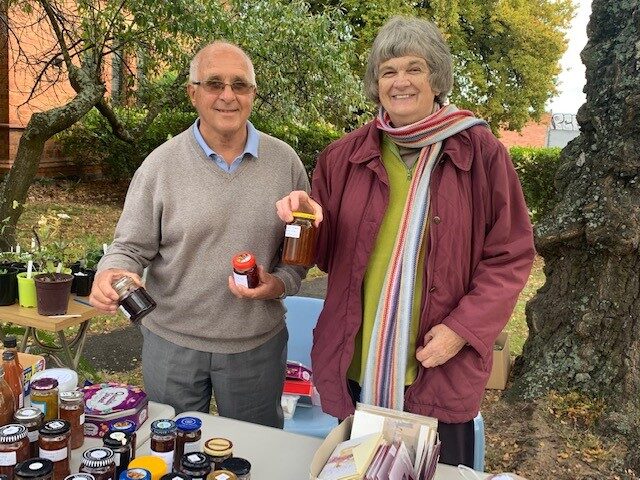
x=26, y=290
x=75, y=268
x=53, y=290
x=8, y=286
x=83, y=281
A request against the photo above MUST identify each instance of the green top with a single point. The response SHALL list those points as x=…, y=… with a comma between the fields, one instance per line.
x=399, y=182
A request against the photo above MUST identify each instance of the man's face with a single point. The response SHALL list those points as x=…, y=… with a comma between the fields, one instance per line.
x=404, y=89
x=222, y=113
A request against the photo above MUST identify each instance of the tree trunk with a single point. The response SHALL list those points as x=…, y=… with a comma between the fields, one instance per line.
x=41, y=127
x=584, y=324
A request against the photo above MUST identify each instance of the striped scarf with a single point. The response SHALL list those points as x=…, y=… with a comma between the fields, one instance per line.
x=385, y=369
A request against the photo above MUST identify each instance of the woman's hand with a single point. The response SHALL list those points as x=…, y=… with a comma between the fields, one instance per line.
x=440, y=344
x=298, y=201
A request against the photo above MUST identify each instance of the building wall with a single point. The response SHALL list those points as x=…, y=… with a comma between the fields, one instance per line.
x=534, y=134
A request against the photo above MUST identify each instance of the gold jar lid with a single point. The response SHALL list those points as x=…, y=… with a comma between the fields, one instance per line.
x=218, y=447
x=309, y=216
x=222, y=475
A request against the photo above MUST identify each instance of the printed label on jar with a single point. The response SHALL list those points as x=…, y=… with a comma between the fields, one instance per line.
x=116, y=458
x=166, y=456
x=124, y=312
x=33, y=436
x=8, y=459
x=240, y=280
x=292, y=231
x=222, y=476
x=192, y=447
x=82, y=419
x=54, y=455
x=42, y=406
x=10, y=430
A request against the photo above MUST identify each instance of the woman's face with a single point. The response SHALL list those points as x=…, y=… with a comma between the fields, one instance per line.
x=404, y=89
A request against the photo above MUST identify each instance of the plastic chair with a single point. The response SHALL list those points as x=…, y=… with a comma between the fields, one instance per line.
x=302, y=315
x=478, y=445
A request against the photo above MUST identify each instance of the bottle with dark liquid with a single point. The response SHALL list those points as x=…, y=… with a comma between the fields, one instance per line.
x=134, y=301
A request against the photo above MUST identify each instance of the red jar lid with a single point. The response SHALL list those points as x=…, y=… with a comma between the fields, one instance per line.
x=44, y=383
x=243, y=261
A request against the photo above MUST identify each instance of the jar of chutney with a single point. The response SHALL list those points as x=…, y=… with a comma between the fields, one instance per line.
x=71, y=409
x=99, y=462
x=134, y=301
x=32, y=419
x=14, y=448
x=245, y=270
x=54, y=446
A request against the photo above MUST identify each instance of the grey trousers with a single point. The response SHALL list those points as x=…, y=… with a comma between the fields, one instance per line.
x=246, y=386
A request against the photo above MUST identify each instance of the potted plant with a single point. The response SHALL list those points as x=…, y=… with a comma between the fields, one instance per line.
x=86, y=271
x=11, y=263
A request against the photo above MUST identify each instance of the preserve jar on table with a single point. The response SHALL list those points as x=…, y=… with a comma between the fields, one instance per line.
x=34, y=469
x=163, y=441
x=14, y=448
x=32, y=419
x=44, y=395
x=128, y=427
x=239, y=466
x=120, y=443
x=99, y=462
x=196, y=465
x=188, y=435
x=218, y=450
x=54, y=446
x=72, y=410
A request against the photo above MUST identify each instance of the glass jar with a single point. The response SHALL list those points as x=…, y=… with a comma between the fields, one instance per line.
x=163, y=441
x=80, y=476
x=14, y=448
x=218, y=449
x=99, y=462
x=134, y=301
x=32, y=419
x=196, y=465
x=54, y=446
x=300, y=240
x=6, y=400
x=135, y=474
x=175, y=476
x=14, y=377
x=34, y=469
x=245, y=270
x=44, y=395
x=120, y=443
x=188, y=437
x=72, y=410
x=156, y=466
x=222, y=475
x=239, y=466
x=128, y=427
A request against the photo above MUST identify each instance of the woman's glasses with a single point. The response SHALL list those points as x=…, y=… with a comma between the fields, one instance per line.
x=217, y=86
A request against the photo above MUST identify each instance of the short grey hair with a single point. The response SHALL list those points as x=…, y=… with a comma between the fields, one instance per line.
x=221, y=44
x=402, y=36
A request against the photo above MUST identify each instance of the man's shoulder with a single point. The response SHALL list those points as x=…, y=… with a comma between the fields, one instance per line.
x=169, y=149
x=273, y=144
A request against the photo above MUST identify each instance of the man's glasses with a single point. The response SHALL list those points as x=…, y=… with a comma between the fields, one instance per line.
x=217, y=86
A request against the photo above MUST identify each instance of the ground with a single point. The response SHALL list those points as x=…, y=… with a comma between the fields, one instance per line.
x=555, y=437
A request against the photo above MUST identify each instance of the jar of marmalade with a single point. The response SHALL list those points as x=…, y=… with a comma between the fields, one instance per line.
x=245, y=270
x=99, y=462
x=163, y=441
x=44, y=396
x=188, y=437
x=54, y=446
x=196, y=465
x=128, y=427
x=300, y=240
x=218, y=450
x=134, y=301
x=32, y=419
x=120, y=443
x=34, y=469
x=72, y=410
x=14, y=448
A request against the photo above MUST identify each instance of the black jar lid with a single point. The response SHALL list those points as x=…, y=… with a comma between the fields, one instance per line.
x=237, y=465
x=55, y=427
x=10, y=341
x=175, y=476
x=116, y=439
x=98, y=457
x=163, y=427
x=195, y=461
x=8, y=355
x=34, y=468
x=12, y=433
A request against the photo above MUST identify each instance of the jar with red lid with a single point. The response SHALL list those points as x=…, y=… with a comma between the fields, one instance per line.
x=34, y=469
x=32, y=419
x=72, y=410
x=245, y=270
x=188, y=437
x=44, y=395
x=54, y=446
x=300, y=240
x=14, y=448
x=163, y=441
x=99, y=462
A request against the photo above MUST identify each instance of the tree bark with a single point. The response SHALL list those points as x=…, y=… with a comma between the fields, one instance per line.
x=584, y=323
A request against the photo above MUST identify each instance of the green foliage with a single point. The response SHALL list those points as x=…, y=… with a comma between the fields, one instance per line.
x=536, y=169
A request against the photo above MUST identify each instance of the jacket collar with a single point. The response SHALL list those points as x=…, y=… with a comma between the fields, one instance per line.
x=458, y=148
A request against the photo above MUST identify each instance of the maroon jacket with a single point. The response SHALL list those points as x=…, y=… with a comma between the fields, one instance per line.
x=479, y=257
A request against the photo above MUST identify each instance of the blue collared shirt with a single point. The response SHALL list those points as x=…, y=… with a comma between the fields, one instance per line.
x=250, y=148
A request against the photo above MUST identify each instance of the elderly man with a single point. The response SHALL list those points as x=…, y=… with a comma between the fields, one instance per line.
x=197, y=200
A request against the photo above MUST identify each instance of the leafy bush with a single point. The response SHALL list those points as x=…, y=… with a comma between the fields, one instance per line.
x=536, y=168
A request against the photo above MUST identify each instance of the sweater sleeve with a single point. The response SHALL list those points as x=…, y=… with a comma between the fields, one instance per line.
x=137, y=236
x=505, y=263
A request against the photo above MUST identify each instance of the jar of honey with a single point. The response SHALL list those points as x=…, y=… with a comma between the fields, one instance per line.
x=44, y=396
x=300, y=240
x=72, y=410
x=14, y=448
x=245, y=270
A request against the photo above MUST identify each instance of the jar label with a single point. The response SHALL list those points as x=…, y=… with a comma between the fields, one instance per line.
x=42, y=406
x=193, y=458
x=292, y=231
x=82, y=419
x=166, y=456
x=54, y=455
x=190, y=447
x=33, y=436
x=116, y=458
x=8, y=459
x=240, y=279
x=222, y=476
x=21, y=400
x=124, y=312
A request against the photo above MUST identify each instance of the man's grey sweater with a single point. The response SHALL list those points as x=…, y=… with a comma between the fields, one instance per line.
x=185, y=218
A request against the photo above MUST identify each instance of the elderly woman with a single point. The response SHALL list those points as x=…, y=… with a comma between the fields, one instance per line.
x=426, y=238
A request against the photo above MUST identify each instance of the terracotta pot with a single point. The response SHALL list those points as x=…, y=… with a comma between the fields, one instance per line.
x=52, y=291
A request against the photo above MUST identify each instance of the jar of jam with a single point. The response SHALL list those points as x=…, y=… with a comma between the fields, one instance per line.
x=135, y=474
x=72, y=410
x=300, y=240
x=239, y=466
x=134, y=301
x=218, y=450
x=54, y=446
x=34, y=469
x=44, y=395
x=188, y=437
x=196, y=465
x=222, y=475
x=99, y=462
x=14, y=448
x=7, y=402
x=120, y=443
x=245, y=270
x=80, y=476
x=163, y=441
x=32, y=419
x=128, y=427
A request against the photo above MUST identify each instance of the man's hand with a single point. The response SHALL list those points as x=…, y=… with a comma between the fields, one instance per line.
x=298, y=201
x=103, y=296
x=440, y=344
x=268, y=288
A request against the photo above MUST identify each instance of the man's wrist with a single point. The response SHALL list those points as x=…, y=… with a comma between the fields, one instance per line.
x=284, y=289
